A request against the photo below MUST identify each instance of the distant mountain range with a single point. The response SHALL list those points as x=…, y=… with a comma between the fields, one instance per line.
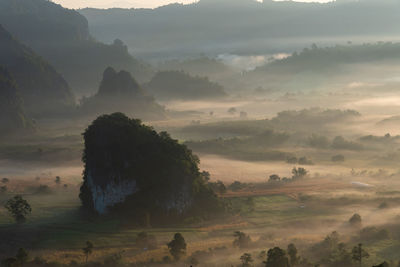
x=212, y=27
x=62, y=37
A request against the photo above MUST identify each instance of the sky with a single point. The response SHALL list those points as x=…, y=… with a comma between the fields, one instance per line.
x=130, y=3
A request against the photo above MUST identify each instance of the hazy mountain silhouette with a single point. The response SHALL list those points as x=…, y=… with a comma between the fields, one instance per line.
x=119, y=92
x=43, y=90
x=62, y=37
x=243, y=26
x=12, y=115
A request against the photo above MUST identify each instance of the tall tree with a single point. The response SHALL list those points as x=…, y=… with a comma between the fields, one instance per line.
x=276, y=257
x=19, y=208
x=246, y=260
x=177, y=246
x=292, y=252
x=358, y=253
x=88, y=250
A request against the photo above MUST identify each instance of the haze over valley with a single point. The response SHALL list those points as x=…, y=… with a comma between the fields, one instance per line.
x=212, y=133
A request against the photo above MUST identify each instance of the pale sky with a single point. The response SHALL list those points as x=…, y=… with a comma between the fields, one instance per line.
x=131, y=3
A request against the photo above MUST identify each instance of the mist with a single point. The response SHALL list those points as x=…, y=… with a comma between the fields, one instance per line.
x=212, y=133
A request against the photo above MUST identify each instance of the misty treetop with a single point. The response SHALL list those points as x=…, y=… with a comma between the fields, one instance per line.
x=180, y=85
x=131, y=168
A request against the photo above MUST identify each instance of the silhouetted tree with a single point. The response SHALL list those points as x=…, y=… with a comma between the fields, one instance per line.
x=358, y=253
x=241, y=240
x=299, y=173
x=177, y=247
x=276, y=257
x=292, y=252
x=19, y=208
x=246, y=260
x=22, y=256
x=355, y=220
x=88, y=250
x=274, y=178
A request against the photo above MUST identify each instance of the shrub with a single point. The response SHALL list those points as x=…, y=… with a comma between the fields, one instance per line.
x=337, y=158
x=241, y=240
x=355, y=220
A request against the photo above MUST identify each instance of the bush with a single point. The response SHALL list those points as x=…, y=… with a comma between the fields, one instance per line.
x=337, y=158
x=237, y=186
x=355, y=220
x=372, y=233
x=241, y=240
x=318, y=141
x=305, y=161
x=291, y=160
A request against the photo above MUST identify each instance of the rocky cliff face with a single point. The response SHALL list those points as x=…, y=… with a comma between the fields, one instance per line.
x=114, y=192
x=129, y=164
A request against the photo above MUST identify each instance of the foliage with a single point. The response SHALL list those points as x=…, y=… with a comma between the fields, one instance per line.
x=241, y=240
x=180, y=85
x=177, y=247
x=299, y=173
x=340, y=143
x=237, y=186
x=274, y=178
x=218, y=187
x=276, y=257
x=115, y=144
x=88, y=250
x=22, y=256
x=19, y=208
x=246, y=260
x=292, y=252
x=358, y=254
x=338, y=158
x=355, y=220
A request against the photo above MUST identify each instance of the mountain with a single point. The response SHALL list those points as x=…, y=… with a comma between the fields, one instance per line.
x=172, y=85
x=43, y=90
x=244, y=26
x=12, y=115
x=131, y=168
x=119, y=92
x=62, y=37
x=323, y=67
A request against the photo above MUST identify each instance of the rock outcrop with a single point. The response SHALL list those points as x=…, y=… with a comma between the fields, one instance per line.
x=119, y=92
x=131, y=168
